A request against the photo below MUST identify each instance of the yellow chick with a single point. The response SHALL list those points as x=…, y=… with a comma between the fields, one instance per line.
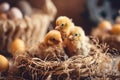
x=76, y=42
x=52, y=38
x=51, y=47
x=64, y=25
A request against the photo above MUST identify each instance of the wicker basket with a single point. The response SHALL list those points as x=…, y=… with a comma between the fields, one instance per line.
x=31, y=29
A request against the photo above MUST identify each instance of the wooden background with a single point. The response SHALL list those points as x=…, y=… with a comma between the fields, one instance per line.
x=75, y=9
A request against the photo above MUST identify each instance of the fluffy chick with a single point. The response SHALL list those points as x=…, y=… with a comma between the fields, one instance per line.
x=52, y=38
x=64, y=25
x=76, y=42
x=51, y=47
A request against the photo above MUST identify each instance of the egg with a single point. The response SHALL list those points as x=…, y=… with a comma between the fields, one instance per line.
x=15, y=13
x=17, y=45
x=3, y=16
x=4, y=64
x=105, y=25
x=115, y=29
x=119, y=66
x=4, y=7
x=25, y=7
x=117, y=20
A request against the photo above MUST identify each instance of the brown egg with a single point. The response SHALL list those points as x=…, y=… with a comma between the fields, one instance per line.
x=4, y=7
x=17, y=45
x=15, y=13
x=115, y=29
x=105, y=25
x=117, y=20
x=25, y=7
x=3, y=16
x=4, y=64
x=119, y=66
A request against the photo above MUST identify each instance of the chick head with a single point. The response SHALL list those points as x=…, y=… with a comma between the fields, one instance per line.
x=64, y=24
x=76, y=34
x=53, y=38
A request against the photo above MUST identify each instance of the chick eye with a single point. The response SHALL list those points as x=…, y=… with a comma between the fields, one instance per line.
x=52, y=39
x=76, y=34
x=62, y=25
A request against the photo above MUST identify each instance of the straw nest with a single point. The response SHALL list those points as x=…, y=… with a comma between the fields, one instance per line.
x=30, y=29
x=98, y=65
x=111, y=39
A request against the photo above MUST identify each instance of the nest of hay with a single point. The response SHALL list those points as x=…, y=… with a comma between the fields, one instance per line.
x=30, y=29
x=111, y=39
x=96, y=66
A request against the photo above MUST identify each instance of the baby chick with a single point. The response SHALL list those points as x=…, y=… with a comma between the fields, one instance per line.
x=51, y=47
x=76, y=42
x=52, y=38
x=64, y=25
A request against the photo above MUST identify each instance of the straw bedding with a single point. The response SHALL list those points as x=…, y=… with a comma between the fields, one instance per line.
x=98, y=65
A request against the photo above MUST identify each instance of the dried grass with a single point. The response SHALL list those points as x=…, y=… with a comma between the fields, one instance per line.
x=99, y=65
x=111, y=39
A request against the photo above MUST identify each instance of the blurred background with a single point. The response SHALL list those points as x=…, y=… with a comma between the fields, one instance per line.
x=84, y=13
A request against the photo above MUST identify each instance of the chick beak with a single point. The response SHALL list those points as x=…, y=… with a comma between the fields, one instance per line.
x=58, y=41
x=57, y=27
x=70, y=37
